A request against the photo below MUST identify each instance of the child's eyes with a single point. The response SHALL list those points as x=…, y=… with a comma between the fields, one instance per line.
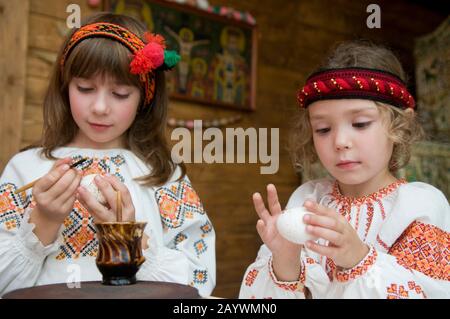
x=84, y=89
x=88, y=89
x=121, y=96
x=323, y=130
x=361, y=124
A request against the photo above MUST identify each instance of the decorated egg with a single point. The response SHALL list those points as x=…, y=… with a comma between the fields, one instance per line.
x=88, y=183
x=291, y=226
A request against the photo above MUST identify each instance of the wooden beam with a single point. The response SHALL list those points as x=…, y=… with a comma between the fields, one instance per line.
x=13, y=44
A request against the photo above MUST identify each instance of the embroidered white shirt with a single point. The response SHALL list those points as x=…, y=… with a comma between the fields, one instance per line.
x=181, y=236
x=406, y=226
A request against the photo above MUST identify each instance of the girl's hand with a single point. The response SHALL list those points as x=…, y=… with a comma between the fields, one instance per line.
x=108, y=186
x=54, y=193
x=285, y=254
x=267, y=224
x=345, y=248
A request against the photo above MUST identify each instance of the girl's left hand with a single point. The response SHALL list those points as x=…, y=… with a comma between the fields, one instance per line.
x=345, y=248
x=108, y=185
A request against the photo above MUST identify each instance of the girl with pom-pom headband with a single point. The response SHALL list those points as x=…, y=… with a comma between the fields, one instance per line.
x=148, y=55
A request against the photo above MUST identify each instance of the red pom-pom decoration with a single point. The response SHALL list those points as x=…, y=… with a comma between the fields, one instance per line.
x=150, y=57
x=140, y=63
x=157, y=38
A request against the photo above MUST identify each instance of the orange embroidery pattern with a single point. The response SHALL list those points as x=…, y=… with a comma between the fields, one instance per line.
x=345, y=203
x=370, y=212
x=397, y=292
x=12, y=206
x=382, y=243
x=79, y=232
x=289, y=286
x=177, y=203
x=79, y=235
x=413, y=286
x=359, y=269
x=369, y=198
x=424, y=248
x=330, y=268
x=383, y=213
x=251, y=276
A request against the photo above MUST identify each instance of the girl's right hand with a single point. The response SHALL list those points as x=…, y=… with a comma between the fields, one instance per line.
x=285, y=254
x=54, y=193
x=267, y=224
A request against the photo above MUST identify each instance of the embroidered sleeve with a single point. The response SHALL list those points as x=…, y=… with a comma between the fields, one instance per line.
x=12, y=206
x=260, y=282
x=288, y=285
x=188, y=232
x=415, y=266
x=21, y=252
x=360, y=269
x=424, y=248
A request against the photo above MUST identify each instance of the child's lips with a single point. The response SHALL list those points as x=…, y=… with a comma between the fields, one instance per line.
x=347, y=164
x=99, y=127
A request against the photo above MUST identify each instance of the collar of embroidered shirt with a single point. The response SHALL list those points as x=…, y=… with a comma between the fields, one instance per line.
x=379, y=194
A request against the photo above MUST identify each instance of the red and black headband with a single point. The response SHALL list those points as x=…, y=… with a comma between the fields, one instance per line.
x=147, y=56
x=355, y=83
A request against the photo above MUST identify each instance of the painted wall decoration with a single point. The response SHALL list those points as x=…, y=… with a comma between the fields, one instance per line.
x=218, y=53
x=432, y=53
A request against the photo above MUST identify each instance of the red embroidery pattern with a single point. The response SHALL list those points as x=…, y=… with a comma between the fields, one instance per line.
x=358, y=213
x=370, y=212
x=424, y=248
x=289, y=286
x=366, y=199
x=330, y=268
x=417, y=288
x=359, y=269
x=382, y=243
x=345, y=203
x=397, y=292
x=251, y=276
x=383, y=213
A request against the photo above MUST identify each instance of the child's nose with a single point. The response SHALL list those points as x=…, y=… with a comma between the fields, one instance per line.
x=342, y=140
x=100, y=105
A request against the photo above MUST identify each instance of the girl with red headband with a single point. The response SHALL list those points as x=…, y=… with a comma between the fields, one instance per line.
x=377, y=236
x=106, y=103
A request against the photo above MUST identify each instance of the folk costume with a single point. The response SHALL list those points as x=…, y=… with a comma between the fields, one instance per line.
x=181, y=237
x=406, y=225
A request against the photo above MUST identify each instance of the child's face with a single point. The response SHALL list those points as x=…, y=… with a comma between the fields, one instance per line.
x=350, y=138
x=103, y=110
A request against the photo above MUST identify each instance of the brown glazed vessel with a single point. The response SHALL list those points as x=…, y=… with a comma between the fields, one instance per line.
x=120, y=251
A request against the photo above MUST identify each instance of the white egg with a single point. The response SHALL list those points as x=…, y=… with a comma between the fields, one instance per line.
x=89, y=183
x=291, y=226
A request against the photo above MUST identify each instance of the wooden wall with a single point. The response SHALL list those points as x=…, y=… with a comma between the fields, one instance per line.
x=13, y=48
x=293, y=38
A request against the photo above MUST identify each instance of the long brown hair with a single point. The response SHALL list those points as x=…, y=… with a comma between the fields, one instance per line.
x=403, y=127
x=100, y=56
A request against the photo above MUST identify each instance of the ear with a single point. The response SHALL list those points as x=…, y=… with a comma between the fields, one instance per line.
x=409, y=111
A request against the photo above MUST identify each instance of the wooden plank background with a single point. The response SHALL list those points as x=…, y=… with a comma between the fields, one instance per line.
x=13, y=48
x=293, y=38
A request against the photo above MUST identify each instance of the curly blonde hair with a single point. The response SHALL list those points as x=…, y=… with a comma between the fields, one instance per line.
x=403, y=127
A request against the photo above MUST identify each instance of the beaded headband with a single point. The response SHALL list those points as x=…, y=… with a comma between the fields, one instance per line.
x=148, y=56
x=355, y=83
